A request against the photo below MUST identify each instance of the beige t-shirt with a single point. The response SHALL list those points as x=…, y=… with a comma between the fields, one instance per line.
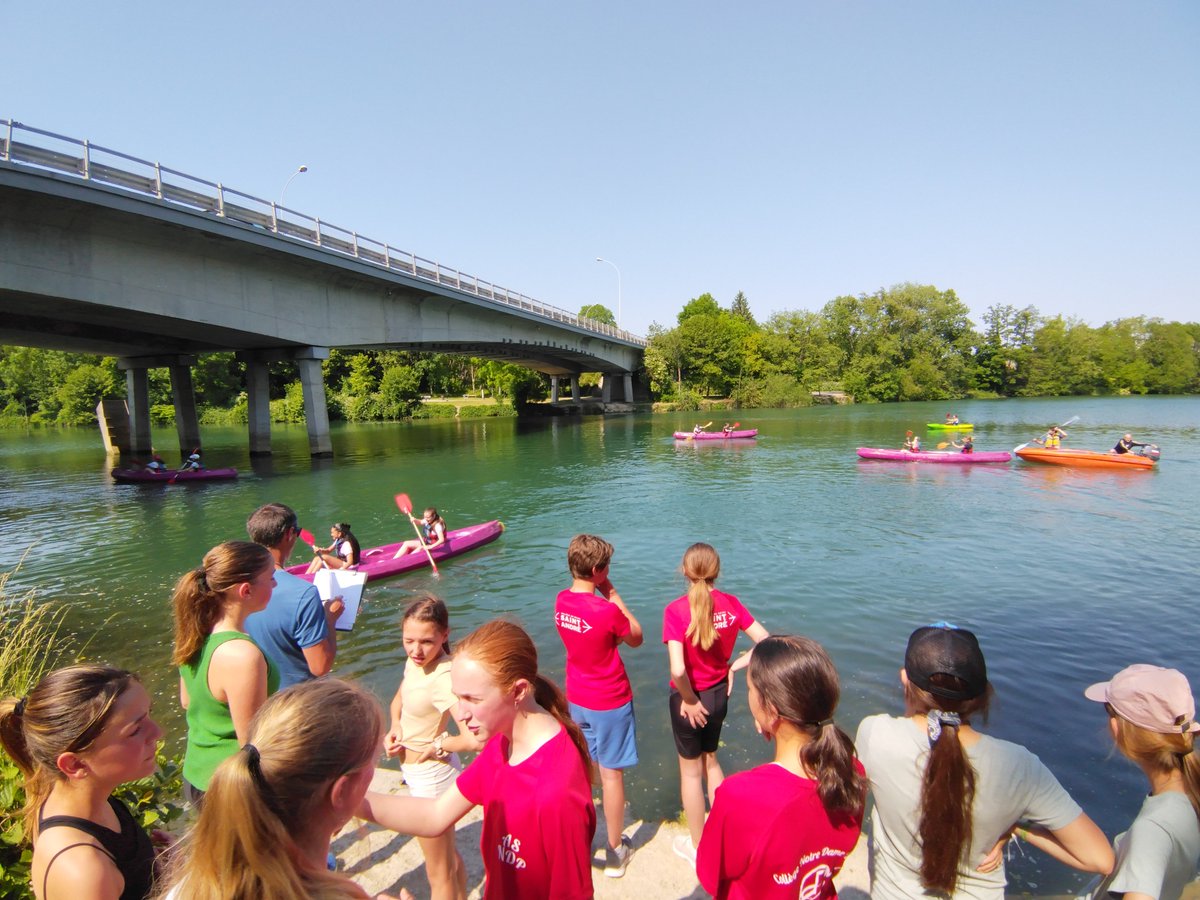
x=424, y=698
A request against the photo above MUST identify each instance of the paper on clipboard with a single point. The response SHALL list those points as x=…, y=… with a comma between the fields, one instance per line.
x=344, y=583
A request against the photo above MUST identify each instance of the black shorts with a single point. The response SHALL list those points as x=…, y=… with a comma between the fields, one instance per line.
x=692, y=742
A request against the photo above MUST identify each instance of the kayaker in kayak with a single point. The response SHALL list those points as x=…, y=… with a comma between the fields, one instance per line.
x=727, y=428
x=1127, y=443
x=1053, y=438
x=699, y=429
x=344, y=552
x=912, y=442
x=192, y=463
x=156, y=464
x=951, y=419
x=433, y=529
x=967, y=445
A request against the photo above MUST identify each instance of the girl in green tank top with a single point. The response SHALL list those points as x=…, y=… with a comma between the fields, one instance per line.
x=224, y=677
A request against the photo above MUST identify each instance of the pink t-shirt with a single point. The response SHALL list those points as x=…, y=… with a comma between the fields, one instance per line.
x=538, y=820
x=768, y=836
x=707, y=667
x=591, y=629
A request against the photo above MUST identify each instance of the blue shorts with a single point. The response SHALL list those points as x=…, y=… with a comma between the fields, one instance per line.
x=611, y=734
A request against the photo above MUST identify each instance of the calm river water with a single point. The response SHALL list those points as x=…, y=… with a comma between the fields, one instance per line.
x=1066, y=575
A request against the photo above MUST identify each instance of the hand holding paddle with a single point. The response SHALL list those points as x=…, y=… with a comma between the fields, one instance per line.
x=1069, y=421
x=406, y=507
x=307, y=537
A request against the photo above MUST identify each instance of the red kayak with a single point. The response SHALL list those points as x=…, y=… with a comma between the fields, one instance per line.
x=166, y=476
x=935, y=456
x=717, y=435
x=378, y=562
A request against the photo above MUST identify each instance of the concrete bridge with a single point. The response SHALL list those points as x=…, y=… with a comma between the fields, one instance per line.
x=101, y=252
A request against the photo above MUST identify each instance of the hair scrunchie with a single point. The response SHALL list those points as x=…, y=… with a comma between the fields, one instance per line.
x=202, y=578
x=19, y=709
x=936, y=718
x=824, y=722
x=254, y=764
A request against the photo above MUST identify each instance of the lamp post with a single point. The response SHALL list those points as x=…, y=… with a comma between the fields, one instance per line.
x=614, y=265
x=299, y=171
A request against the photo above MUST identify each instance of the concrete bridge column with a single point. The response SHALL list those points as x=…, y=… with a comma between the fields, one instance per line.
x=627, y=380
x=137, y=386
x=553, y=389
x=606, y=388
x=574, y=388
x=258, y=399
x=187, y=423
x=316, y=413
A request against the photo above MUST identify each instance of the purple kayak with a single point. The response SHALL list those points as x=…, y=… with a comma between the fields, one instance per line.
x=934, y=456
x=149, y=476
x=716, y=435
x=378, y=562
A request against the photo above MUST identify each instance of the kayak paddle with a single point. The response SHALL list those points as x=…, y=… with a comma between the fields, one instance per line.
x=942, y=445
x=406, y=507
x=307, y=537
x=1069, y=421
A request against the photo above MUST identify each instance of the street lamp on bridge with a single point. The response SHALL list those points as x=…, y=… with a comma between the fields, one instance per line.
x=282, y=193
x=614, y=265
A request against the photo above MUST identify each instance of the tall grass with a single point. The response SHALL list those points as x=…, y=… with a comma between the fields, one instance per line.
x=31, y=642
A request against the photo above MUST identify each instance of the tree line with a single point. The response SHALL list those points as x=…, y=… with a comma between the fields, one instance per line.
x=907, y=342
x=911, y=342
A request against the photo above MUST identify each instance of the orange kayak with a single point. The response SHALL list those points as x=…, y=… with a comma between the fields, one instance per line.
x=1088, y=459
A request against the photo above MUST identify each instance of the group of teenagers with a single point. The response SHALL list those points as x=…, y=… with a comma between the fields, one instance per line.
x=278, y=760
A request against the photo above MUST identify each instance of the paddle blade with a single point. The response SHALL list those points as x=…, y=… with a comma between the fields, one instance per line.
x=404, y=503
x=307, y=536
x=943, y=445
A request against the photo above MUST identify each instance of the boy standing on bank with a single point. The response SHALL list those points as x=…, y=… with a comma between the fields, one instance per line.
x=593, y=622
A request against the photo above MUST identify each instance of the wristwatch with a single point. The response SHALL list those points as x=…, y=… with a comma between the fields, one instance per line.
x=438, y=750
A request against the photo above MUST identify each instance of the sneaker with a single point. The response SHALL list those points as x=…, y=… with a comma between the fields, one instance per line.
x=682, y=845
x=615, y=861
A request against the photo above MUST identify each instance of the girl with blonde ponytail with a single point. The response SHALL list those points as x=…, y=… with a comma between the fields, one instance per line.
x=1152, y=718
x=265, y=826
x=700, y=630
x=533, y=777
x=782, y=830
x=947, y=796
x=224, y=676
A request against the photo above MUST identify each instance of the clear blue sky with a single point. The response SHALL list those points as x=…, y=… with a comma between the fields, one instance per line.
x=1043, y=153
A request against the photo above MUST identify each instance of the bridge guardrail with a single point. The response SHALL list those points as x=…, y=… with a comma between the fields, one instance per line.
x=91, y=162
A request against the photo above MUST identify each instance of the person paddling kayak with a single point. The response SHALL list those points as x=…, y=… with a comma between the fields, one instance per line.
x=967, y=445
x=699, y=429
x=912, y=442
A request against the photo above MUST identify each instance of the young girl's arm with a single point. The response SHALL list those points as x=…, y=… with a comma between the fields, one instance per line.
x=391, y=743
x=1080, y=844
x=239, y=671
x=415, y=815
x=692, y=709
x=462, y=742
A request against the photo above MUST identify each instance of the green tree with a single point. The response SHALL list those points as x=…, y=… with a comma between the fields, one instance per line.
x=704, y=305
x=399, y=391
x=598, y=313
x=741, y=308
x=82, y=390
x=663, y=360
x=1172, y=352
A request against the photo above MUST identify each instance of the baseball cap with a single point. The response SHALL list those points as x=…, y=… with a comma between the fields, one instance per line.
x=945, y=649
x=1150, y=697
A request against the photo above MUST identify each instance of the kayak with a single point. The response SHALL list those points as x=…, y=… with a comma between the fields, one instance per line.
x=935, y=456
x=942, y=426
x=149, y=476
x=1087, y=459
x=716, y=435
x=378, y=562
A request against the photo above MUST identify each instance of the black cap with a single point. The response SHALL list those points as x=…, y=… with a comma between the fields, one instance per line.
x=944, y=649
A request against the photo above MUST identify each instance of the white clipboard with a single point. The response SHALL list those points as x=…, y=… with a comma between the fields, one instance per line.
x=344, y=583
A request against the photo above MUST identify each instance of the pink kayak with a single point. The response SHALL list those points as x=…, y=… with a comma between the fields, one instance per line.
x=934, y=456
x=378, y=562
x=149, y=476
x=716, y=435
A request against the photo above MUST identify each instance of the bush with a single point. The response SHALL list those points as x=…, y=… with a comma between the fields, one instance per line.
x=435, y=411
x=772, y=392
x=498, y=411
x=162, y=414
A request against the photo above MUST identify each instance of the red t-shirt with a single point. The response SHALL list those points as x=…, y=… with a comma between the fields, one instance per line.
x=538, y=820
x=591, y=629
x=768, y=836
x=707, y=667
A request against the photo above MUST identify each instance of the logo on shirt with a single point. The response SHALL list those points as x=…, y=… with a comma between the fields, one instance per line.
x=572, y=623
x=507, y=850
x=813, y=884
x=723, y=620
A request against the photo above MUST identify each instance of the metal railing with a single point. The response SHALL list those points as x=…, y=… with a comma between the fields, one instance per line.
x=82, y=159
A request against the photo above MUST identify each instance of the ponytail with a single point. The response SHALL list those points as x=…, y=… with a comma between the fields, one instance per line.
x=551, y=699
x=701, y=566
x=948, y=785
x=199, y=596
x=1190, y=764
x=1163, y=753
x=797, y=681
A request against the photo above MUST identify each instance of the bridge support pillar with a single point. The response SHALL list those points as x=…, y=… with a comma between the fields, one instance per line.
x=258, y=402
x=606, y=388
x=627, y=379
x=316, y=413
x=574, y=388
x=137, y=385
x=187, y=423
x=553, y=390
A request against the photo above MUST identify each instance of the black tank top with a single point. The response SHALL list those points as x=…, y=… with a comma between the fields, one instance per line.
x=130, y=849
